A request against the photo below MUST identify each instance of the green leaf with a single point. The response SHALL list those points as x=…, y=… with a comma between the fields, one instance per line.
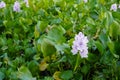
x=62, y=47
x=102, y=1
x=103, y=38
x=48, y=78
x=85, y=69
x=2, y=76
x=60, y=3
x=56, y=33
x=22, y=23
x=91, y=56
x=36, y=33
x=111, y=46
x=36, y=57
x=66, y=75
x=4, y=48
x=25, y=74
x=47, y=48
x=114, y=30
x=107, y=58
x=109, y=19
x=94, y=15
x=33, y=66
x=41, y=26
x=3, y=41
x=117, y=47
x=63, y=59
x=116, y=15
x=9, y=23
x=29, y=52
x=56, y=21
x=100, y=47
x=90, y=21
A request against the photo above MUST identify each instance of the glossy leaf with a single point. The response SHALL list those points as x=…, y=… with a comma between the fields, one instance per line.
x=66, y=75
x=47, y=48
x=25, y=74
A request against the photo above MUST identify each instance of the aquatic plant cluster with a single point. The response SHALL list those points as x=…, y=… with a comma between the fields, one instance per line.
x=59, y=40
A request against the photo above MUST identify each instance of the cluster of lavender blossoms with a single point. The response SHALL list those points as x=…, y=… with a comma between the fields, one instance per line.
x=114, y=7
x=16, y=6
x=2, y=4
x=27, y=3
x=80, y=45
x=85, y=1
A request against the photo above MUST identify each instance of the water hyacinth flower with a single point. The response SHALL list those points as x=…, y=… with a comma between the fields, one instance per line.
x=16, y=7
x=119, y=6
x=80, y=45
x=2, y=4
x=85, y=1
x=114, y=7
x=27, y=3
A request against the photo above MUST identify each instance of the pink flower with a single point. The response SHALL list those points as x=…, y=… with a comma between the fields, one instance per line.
x=16, y=7
x=114, y=7
x=2, y=4
x=85, y=1
x=80, y=45
x=119, y=6
x=27, y=3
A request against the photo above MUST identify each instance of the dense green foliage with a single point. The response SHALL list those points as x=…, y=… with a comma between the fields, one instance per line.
x=35, y=43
